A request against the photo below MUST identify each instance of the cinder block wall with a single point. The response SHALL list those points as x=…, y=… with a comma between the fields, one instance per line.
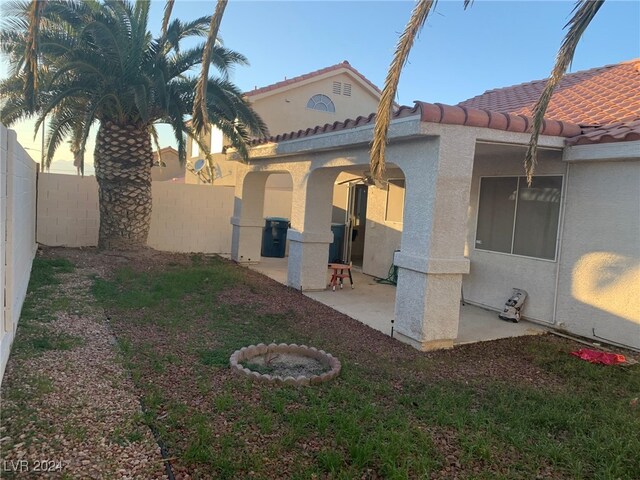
x=191, y=218
x=185, y=218
x=68, y=212
x=18, y=179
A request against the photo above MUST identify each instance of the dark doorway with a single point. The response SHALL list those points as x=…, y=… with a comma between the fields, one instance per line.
x=357, y=222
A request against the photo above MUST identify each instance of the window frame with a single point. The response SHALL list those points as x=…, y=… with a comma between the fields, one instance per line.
x=333, y=104
x=515, y=216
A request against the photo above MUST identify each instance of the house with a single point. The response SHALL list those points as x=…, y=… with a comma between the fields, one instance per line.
x=166, y=166
x=455, y=211
x=321, y=97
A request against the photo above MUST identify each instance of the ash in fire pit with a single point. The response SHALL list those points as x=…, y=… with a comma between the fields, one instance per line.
x=286, y=365
x=291, y=364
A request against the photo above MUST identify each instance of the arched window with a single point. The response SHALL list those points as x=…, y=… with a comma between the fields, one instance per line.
x=322, y=103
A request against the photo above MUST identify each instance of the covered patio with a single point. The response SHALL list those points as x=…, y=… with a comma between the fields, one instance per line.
x=436, y=149
x=373, y=304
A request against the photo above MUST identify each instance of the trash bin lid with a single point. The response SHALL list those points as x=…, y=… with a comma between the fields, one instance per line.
x=277, y=219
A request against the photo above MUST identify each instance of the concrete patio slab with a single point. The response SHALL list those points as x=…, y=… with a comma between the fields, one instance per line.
x=373, y=304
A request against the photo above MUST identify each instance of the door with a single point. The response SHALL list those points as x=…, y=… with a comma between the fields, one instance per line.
x=356, y=222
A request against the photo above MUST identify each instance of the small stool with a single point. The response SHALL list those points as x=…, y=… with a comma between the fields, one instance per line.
x=338, y=274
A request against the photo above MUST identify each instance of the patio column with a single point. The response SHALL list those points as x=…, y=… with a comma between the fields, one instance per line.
x=431, y=259
x=310, y=233
x=247, y=220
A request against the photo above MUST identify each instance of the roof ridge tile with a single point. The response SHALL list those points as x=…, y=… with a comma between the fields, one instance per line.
x=283, y=83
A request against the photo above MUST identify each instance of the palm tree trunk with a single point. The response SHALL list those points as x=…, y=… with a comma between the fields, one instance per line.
x=123, y=160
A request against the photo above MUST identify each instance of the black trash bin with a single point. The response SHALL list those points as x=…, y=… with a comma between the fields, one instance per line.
x=274, y=237
x=335, y=249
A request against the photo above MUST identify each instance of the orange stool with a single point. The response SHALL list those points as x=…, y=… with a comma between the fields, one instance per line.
x=339, y=275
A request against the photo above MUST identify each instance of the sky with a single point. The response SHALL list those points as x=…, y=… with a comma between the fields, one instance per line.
x=459, y=54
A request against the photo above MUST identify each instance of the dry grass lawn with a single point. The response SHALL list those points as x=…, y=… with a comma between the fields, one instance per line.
x=515, y=408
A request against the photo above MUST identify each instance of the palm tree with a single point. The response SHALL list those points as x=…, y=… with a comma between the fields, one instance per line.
x=200, y=114
x=97, y=63
x=583, y=13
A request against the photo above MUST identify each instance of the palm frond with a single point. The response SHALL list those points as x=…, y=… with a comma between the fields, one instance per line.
x=198, y=27
x=55, y=101
x=141, y=100
x=583, y=13
x=202, y=145
x=60, y=125
x=91, y=110
x=156, y=140
x=385, y=107
x=200, y=116
x=237, y=135
x=168, y=7
x=174, y=116
x=178, y=30
x=13, y=109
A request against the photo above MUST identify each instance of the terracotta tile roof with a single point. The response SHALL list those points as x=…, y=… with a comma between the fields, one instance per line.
x=613, y=132
x=600, y=105
x=440, y=113
x=360, y=121
x=588, y=98
x=306, y=76
x=474, y=117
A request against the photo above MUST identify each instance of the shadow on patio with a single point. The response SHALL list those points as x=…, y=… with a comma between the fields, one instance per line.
x=373, y=304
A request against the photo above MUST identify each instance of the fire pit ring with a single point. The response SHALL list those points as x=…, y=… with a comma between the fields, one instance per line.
x=267, y=354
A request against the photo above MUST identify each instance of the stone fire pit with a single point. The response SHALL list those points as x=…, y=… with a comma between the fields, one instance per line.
x=282, y=363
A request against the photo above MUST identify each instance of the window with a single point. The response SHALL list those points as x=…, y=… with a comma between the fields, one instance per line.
x=516, y=219
x=346, y=89
x=395, y=201
x=217, y=140
x=337, y=86
x=195, y=148
x=322, y=103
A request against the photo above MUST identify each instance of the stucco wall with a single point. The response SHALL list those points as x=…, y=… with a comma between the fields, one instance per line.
x=172, y=168
x=185, y=218
x=287, y=111
x=18, y=174
x=599, y=283
x=277, y=196
x=493, y=275
x=382, y=237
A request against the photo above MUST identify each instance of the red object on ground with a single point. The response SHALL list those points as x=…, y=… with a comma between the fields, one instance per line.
x=593, y=356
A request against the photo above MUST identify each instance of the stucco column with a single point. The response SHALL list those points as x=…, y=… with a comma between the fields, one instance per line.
x=310, y=233
x=431, y=260
x=247, y=220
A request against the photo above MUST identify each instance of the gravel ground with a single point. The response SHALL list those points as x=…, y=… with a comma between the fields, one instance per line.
x=86, y=418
